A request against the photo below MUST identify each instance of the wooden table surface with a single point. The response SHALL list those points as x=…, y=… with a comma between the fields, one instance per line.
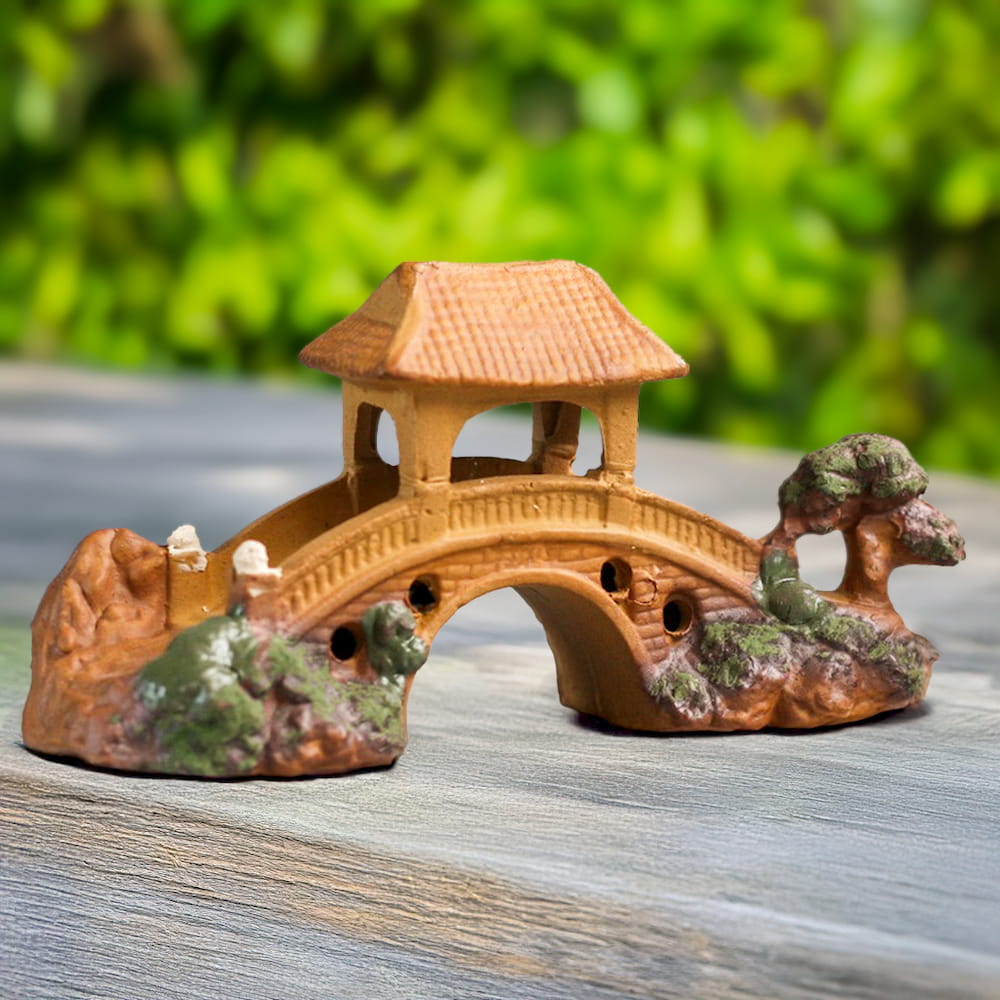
x=514, y=850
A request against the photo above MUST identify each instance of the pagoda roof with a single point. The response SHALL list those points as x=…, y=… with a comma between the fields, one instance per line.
x=533, y=323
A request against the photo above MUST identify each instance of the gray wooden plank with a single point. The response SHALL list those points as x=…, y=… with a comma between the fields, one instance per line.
x=513, y=850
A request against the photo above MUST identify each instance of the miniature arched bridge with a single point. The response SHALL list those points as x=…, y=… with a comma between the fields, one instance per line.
x=614, y=574
x=304, y=630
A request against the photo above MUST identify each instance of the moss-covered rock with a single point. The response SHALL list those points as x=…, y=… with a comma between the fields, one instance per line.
x=379, y=706
x=202, y=696
x=733, y=652
x=683, y=688
x=740, y=657
x=930, y=535
x=220, y=701
x=901, y=658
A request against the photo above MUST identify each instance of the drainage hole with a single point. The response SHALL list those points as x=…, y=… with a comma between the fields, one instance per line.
x=616, y=576
x=343, y=643
x=677, y=615
x=421, y=595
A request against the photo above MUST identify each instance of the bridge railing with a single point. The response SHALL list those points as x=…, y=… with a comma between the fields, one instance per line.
x=350, y=558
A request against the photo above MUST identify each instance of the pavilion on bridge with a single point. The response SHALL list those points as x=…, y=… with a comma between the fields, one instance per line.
x=438, y=343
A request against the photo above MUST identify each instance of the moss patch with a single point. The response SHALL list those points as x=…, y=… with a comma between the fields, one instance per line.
x=903, y=659
x=380, y=705
x=394, y=649
x=731, y=650
x=304, y=679
x=684, y=687
x=854, y=466
x=199, y=694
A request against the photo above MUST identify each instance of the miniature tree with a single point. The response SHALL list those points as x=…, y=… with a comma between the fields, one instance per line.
x=868, y=487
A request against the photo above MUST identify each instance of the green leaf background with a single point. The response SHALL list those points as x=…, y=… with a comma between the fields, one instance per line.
x=803, y=198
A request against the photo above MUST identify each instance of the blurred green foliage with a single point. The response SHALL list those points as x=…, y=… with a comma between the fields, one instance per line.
x=803, y=198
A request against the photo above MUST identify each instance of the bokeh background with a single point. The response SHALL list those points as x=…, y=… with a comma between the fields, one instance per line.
x=802, y=198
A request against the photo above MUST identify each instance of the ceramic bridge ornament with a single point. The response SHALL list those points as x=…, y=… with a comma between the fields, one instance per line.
x=291, y=648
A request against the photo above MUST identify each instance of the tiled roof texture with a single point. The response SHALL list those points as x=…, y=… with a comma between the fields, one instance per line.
x=532, y=323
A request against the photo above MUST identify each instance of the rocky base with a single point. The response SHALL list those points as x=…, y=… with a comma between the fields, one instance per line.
x=221, y=701
x=113, y=686
x=746, y=669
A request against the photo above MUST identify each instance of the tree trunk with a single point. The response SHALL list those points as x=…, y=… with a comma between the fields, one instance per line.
x=870, y=560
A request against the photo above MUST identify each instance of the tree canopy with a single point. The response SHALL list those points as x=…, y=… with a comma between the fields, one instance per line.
x=869, y=487
x=803, y=199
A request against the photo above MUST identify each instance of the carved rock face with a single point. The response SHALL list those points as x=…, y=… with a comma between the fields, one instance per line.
x=101, y=617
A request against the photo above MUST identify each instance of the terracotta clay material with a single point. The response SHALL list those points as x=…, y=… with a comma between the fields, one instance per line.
x=291, y=648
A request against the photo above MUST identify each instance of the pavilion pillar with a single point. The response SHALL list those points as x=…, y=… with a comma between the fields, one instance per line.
x=427, y=424
x=555, y=437
x=619, y=413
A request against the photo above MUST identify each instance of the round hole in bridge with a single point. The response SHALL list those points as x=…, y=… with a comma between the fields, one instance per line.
x=421, y=595
x=677, y=615
x=616, y=576
x=344, y=643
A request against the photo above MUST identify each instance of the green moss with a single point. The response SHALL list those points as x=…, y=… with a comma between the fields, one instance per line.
x=726, y=671
x=684, y=687
x=659, y=687
x=936, y=548
x=932, y=536
x=880, y=651
x=913, y=679
x=780, y=592
x=835, y=486
x=304, y=678
x=218, y=735
x=307, y=679
x=394, y=650
x=857, y=464
x=844, y=631
x=878, y=450
x=791, y=491
x=866, y=642
x=729, y=650
x=905, y=664
x=380, y=705
x=681, y=688
x=285, y=657
x=216, y=644
x=205, y=695
x=203, y=719
x=912, y=485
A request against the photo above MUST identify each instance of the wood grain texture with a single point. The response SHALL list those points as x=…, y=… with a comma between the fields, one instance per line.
x=514, y=851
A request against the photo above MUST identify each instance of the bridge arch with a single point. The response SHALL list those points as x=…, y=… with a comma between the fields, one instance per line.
x=593, y=642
